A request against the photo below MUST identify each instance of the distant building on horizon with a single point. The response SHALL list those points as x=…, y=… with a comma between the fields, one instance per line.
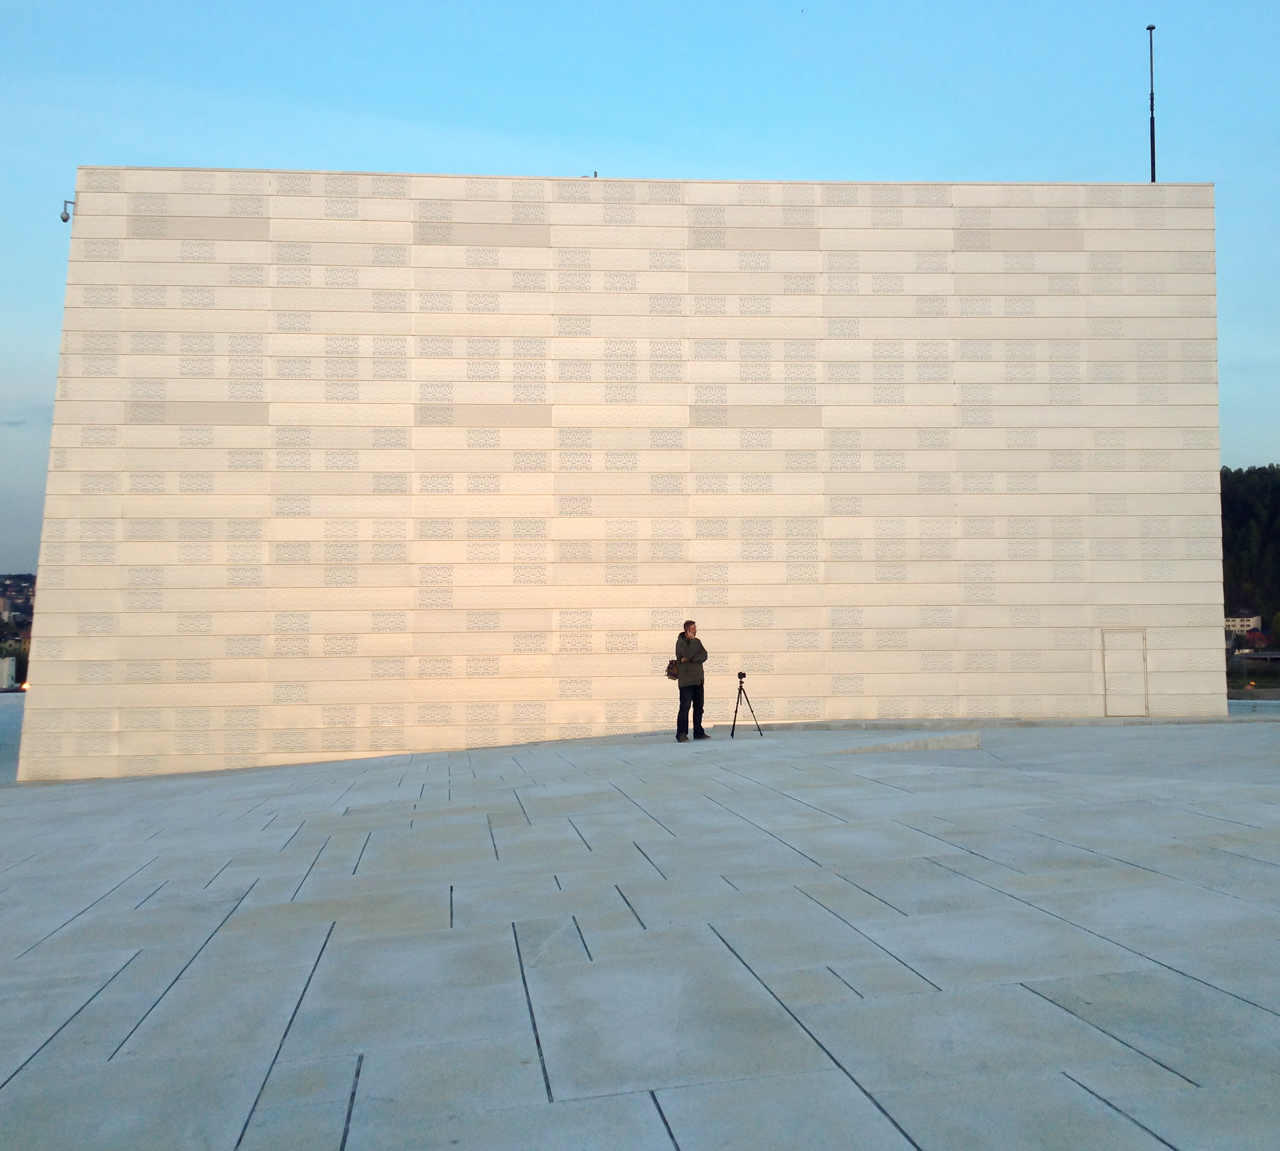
x=1242, y=621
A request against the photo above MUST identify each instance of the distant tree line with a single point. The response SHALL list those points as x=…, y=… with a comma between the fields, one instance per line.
x=1251, y=541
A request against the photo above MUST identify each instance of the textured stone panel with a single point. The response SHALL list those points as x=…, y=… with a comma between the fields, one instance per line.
x=348, y=463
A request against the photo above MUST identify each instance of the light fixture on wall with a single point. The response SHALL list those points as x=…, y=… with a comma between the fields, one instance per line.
x=66, y=216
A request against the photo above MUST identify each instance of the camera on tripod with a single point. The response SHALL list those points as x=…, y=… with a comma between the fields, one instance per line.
x=743, y=698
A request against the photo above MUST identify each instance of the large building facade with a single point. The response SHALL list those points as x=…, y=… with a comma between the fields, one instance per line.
x=345, y=464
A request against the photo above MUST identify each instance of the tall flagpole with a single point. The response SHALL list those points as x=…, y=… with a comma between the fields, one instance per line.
x=1151, y=56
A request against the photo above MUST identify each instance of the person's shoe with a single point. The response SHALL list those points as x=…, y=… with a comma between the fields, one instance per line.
x=701, y=735
x=682, y=739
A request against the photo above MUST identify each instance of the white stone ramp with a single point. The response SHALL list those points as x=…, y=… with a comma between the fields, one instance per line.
x=1049, y=938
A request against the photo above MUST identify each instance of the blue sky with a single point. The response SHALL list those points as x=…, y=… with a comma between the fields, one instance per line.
x=802, y=90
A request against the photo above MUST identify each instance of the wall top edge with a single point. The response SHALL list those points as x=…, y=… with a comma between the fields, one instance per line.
x=659, y=179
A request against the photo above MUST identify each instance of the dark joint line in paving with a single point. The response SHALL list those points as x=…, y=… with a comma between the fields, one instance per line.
x=138, y=905
x=313, y=863
x=881, y=782
x=646, y=812
x=666, y=1126
x=873, y=895
x=1117, y=859
x=181, y=973
x=1241, y=855
x=630, y=908
x=582, y=937
x=784, y=795
x=1101, y=1099
x=655, y=867
x=290, y=839
x=1151, y=870
x=580, y=835
x=843, y=980
x=960, y=847
x=1206, y=815
x=533, y=1019
x=19, y=863
x=344, y=792
x=361, y=855
x=488, y=822
x=89, y=908
x=1108, y=939
x=351, y=1101
x=217, y=873
x=818, y=1042
x=1110, y=1035
x=765, y=830
x=870, y=940
x=22, y=1066
x=280, y=1046
x=813, y=807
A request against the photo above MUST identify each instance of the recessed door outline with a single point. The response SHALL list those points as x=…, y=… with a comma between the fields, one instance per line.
x=1124, y=671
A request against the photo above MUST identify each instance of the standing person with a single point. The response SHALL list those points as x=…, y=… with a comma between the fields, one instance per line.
x=690, y=656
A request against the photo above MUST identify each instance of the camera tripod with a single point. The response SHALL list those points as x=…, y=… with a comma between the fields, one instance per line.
x=742, y=695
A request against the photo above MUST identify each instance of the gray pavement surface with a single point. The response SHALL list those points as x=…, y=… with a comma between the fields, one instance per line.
x=1066, y=938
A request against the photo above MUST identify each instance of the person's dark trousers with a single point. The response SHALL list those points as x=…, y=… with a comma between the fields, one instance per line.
x=692, y=694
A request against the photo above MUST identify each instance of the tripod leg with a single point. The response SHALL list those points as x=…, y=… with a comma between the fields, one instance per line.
x=745, y=696
x=735, y=712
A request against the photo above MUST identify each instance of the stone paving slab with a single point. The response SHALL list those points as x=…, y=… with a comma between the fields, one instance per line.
x=1018, y=938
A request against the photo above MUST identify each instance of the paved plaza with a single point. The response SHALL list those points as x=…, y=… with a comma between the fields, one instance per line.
x=1014, y=938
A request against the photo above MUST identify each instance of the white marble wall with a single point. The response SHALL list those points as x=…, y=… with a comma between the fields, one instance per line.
x=345, y=464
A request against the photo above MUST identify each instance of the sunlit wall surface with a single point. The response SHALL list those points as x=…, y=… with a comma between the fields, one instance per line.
x=345, y=464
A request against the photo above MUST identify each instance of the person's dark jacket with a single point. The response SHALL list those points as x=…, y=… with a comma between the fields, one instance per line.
x=692, y=650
